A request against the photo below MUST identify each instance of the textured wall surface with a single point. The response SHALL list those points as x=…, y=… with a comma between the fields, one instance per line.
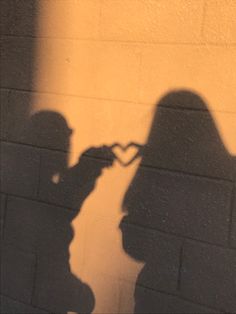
x=159, y=73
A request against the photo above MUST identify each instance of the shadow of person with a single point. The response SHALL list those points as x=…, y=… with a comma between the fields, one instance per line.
x=57, y=289
x=178, y=212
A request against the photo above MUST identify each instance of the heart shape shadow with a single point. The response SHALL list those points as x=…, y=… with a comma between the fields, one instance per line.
x=126, y=154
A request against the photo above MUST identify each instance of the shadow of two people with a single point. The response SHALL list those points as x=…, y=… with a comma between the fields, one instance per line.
x=183, y=143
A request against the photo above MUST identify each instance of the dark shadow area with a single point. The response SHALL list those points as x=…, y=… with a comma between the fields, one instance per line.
x=181, y=213
x=18, y=27
x=42, y=226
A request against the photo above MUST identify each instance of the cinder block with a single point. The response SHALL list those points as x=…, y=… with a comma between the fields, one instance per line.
x=206, y=70
x=80, y=19
x=17, y=274
x=3, y=204
x=3, y=112
x=56, y=57
x=233, y=227
x=57, y=290
x=187, y=140
x=74, y=184
x=91, y=69
x=208, y=276
x=9, y=306
x=17, y=62
x=19, y=17
x=20, y=170
x=117, y=75
x=149, y=301
x=39, y=228
x=220, y=22
x=159, y=253
x=2, y=211
x=152, y=21
x=16, y=115
x=176, y=203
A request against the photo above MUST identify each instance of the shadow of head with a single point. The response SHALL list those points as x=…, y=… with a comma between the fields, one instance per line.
x=49, y=129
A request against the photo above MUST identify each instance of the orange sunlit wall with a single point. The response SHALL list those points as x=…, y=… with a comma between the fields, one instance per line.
x=103, y=64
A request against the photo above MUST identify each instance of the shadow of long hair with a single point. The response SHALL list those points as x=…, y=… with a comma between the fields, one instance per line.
x=173, y=197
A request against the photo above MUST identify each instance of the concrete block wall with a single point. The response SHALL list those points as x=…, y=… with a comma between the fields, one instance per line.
x=104, y=65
